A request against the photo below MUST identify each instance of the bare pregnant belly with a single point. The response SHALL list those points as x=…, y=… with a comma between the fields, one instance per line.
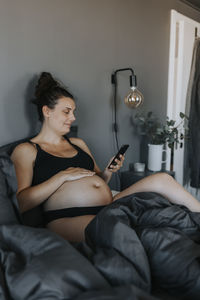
x=87, y=191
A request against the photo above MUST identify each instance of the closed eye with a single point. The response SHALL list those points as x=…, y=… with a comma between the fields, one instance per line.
x=69, y=110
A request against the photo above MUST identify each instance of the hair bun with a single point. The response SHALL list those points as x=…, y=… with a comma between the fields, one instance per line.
x=47, y=92
x=45, y=82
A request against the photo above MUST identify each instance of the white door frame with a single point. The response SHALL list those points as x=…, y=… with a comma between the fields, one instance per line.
x=182, y=37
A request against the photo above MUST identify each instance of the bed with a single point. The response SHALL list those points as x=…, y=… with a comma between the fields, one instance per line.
x=139, y=247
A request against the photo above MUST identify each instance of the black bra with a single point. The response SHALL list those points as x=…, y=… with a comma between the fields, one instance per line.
x=51, y=215
x=47, y=165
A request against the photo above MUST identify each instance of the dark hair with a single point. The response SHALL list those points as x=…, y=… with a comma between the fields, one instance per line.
x=47, y=92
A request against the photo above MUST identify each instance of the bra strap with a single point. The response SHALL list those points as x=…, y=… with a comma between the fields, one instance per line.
x=73, y=145
x=67, y=139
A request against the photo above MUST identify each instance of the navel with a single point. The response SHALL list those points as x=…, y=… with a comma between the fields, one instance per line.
x=96, y=185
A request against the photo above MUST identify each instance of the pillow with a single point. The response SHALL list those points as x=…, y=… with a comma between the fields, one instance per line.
x=7, y=211
x=33, y=217
x=8, y=170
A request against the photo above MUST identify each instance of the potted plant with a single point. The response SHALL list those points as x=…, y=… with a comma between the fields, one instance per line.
x=159, y=134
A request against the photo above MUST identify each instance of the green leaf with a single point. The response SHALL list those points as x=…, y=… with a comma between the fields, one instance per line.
x=183, y=116
x=171, y=123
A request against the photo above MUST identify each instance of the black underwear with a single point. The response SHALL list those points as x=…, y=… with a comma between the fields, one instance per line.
x=71, y=212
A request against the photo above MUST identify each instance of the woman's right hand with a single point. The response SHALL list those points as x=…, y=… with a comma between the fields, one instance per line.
x=75, y=173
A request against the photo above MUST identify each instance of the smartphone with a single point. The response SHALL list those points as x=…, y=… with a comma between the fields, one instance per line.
x=121, y=151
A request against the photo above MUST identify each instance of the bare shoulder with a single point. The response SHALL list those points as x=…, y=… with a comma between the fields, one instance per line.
x=24, y=150
x=78, y=142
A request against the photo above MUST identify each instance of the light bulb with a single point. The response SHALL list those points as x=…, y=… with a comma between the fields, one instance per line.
x=134, y=98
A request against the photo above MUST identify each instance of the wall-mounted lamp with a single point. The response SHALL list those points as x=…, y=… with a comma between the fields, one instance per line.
x=135, y=97
x=133, y=100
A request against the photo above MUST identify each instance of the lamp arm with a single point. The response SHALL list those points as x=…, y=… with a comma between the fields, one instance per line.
x=114, y=75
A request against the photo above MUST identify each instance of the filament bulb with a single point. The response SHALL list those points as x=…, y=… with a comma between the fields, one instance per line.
x=134, y=99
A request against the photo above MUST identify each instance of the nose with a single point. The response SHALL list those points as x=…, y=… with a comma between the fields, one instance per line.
x=73, y=117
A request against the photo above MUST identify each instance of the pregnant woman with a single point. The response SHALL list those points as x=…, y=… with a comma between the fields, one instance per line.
x=61, y=175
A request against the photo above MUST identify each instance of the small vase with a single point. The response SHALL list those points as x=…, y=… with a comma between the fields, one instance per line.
x=155, y=157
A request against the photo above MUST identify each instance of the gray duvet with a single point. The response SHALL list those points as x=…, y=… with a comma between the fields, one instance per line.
x=139, y=247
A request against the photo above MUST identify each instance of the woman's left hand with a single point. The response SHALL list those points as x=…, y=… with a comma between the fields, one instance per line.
x=119, y=163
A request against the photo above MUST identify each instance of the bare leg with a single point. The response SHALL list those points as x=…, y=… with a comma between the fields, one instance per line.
x=166, y=186
x=71, y=229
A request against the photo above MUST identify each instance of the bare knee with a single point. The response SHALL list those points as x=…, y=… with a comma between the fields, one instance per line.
x=162, y=179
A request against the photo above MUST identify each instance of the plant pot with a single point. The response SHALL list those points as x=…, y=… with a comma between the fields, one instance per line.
x=155, y=157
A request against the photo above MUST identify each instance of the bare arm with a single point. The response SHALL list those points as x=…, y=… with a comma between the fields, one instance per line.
x=29, y=196
x=106, y=174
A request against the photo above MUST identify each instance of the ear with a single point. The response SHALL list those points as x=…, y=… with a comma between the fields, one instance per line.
x=46, y=111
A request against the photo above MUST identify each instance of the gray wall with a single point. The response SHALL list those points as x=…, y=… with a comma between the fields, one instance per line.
x=82, y=42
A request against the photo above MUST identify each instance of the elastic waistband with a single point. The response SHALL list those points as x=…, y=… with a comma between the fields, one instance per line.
x=71, y=212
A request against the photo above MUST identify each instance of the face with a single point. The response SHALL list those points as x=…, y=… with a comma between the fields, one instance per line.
x=61, y=116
